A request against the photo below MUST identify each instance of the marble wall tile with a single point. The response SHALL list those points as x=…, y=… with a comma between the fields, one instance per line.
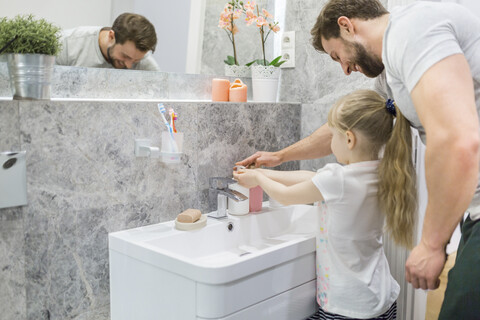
x=12, y=264
x=84, y=182
x=9, y=126
x=12, y=244
x=104, y=83
x=230, y=132
x=315, y=74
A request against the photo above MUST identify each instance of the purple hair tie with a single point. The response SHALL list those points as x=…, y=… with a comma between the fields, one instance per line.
x=391, y=107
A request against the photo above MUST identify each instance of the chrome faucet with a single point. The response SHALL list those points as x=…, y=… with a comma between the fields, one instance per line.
x=219, y=186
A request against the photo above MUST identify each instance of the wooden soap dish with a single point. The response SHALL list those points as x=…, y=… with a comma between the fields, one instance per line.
x=200, y=223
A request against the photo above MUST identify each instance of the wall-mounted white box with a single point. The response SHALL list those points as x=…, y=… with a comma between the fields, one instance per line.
x=13, y=179
x=288, y=49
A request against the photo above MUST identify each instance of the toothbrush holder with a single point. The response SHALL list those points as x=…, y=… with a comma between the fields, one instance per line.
x=172, y=149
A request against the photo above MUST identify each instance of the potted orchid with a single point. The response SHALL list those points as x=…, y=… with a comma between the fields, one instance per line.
x=232, y=12
x=262, y=21
x=265, y=74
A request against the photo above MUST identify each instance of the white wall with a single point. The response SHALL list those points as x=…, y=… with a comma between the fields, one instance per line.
x=171, y=21
x=473, y=5
x=65, y=14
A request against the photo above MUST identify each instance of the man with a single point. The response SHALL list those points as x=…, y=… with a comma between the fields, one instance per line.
x=431, y=56
x=125, y=45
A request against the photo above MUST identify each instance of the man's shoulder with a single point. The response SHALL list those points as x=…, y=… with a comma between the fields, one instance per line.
x=81, y=32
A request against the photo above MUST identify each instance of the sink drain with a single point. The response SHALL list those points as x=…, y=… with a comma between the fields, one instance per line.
x=230, y=226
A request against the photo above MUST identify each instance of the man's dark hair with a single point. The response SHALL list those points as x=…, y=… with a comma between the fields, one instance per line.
x=327, y=26
x=136, y=28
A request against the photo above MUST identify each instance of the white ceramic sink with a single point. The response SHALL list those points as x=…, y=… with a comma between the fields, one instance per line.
x=227, y=269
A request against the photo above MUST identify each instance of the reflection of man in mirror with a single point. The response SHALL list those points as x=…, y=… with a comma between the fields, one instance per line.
x=125, y=45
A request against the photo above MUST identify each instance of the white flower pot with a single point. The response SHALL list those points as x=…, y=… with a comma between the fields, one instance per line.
x=265, y=81
x=237, y=71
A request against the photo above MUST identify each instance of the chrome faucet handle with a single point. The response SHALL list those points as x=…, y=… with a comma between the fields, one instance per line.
x=220, y=183
x=233, y=194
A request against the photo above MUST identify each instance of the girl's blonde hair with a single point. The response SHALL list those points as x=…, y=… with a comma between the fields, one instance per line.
x=365, y=111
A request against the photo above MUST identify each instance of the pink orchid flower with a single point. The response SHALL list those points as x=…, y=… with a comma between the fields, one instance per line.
x=235, y=29
x=266, y=14
x=250, y=5
x=261, y=21
x=274, y=27
x=250, y=17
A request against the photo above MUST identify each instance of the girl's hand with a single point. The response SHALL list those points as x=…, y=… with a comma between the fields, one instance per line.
x=247, y=178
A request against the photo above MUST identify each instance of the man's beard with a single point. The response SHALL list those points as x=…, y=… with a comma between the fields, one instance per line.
x=371, y=65
x=113, y=62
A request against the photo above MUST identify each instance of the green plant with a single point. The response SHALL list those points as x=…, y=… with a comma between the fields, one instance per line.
x=230, y=60
x=264, y=62
x=32, y=35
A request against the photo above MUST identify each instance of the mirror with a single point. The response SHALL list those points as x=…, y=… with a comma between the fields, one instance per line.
x=185, y=28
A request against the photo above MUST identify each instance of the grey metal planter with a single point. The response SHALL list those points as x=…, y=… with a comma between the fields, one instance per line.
x=30, y=76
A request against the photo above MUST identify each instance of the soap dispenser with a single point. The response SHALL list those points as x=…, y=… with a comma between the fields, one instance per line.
x=238, y=208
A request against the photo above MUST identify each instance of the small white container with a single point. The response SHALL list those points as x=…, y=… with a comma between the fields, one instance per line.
x=172, y=149
x=238, y=208
x=265, y=90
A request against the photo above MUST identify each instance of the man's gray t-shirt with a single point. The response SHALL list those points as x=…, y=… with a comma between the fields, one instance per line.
x=80, y=48
x=417, y=37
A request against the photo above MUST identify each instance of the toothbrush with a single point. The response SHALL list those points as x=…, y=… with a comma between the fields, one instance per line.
x=173, y=144
x=173, y=117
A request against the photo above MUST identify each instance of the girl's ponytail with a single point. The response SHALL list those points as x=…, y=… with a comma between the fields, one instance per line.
x=397, y=183
x=367, y=112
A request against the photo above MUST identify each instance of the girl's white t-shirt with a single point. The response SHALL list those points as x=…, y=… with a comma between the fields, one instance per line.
x=353, y=276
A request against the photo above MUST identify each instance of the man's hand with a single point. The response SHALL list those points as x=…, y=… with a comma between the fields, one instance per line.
x=262, y=158
x=424, y=266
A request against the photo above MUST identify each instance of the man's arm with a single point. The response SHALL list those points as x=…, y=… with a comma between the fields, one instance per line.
x=445, y=103
x=314, y=146
x=317, y=145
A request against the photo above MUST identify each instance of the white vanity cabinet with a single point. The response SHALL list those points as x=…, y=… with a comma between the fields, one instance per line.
x=259, y=266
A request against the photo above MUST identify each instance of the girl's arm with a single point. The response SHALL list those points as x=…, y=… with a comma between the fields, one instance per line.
x=304, y=192
x=288, y=178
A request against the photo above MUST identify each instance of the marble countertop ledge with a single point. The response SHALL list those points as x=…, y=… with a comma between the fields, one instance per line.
x=104, y=83
x=150, y=100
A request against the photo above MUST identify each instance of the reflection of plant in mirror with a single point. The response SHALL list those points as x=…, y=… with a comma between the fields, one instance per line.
x=262, y=20
x=230, y=13
x=31, y=35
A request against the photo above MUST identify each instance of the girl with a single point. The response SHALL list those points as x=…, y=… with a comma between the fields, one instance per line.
x=353, y=276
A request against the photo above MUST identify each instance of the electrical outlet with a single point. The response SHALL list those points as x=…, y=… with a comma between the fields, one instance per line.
x=289, y=55
x=288, y=49
x=288, y=39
